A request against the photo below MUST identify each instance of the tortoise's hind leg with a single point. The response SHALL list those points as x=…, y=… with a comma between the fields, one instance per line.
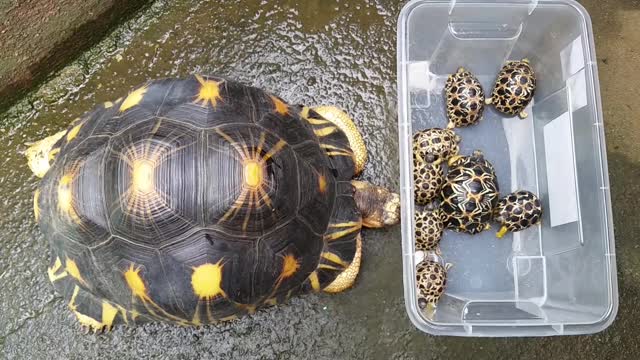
x=92, y=312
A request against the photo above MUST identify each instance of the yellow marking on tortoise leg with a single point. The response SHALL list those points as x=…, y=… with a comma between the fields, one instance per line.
x=57, y=266
x=348, y=127
x=488, y=101
x=39, y=153
x=134, y=98
x=209, y=92
x=206, y=281
x=503, y=231
x=36, y=204
x=347, y=278
x=523, y=114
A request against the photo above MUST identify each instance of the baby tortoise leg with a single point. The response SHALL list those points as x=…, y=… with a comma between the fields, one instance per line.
x=93, y=313
x=379, y=207
x=503, y=231
x=347, y=277
x=346, y=124
x=523, y=114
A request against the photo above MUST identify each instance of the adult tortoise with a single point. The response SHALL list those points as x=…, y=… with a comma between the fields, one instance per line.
x=198, y=200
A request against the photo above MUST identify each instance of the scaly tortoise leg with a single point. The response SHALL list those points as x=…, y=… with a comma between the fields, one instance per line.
x=340, y=119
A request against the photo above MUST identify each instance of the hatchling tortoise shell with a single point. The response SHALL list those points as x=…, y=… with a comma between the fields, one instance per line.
x=514, y=88
x=518, y=211
x=197, y=200
x=428, y=179
x=428, y=228
x=431, y=280
x=469, y=194
x=435, y=145
x=464, y=99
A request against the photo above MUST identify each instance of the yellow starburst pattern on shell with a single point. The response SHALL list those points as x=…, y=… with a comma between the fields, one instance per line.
x=209, y=92
x=133, y=98
x=206, y=281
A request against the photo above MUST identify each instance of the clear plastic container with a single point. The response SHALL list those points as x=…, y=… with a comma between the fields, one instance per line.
x=555, y=279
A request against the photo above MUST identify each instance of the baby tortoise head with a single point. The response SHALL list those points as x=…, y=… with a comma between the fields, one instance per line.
x=431, y=280
x=435, y=145
x=514, y=88
x=464, y=98
x=429, y=226
x=518, y=211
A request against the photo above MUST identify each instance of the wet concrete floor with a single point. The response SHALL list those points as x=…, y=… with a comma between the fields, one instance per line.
x=312, y=52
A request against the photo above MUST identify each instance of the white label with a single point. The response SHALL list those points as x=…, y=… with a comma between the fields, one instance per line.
x=561, y=172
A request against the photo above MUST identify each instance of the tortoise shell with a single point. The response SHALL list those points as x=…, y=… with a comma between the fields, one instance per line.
x=196, y=200
x=514, y=88
x=470, y=194
x=518, y=211
x=435, y=145
x=428, y=179
x=464, y=98
x=431, y=280
x=428, y=228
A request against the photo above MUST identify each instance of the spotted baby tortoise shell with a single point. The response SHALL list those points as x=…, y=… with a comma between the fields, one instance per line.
x=198, y=200
x=428, y=178
x=435, y=145
x=469, y=194
x=464, y=99
x=514, y=88
x=428, y=228
x=518, y=211
x=431, y=282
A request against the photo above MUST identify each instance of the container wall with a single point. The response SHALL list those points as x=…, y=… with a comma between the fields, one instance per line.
x=552, y=279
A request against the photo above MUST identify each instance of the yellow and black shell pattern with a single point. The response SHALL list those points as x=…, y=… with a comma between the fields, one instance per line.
x=518, y=211
x=514, y=88
x=429, y=227
x=435, y=145
x=464, y=98
x=470, y=194
x=196, y=200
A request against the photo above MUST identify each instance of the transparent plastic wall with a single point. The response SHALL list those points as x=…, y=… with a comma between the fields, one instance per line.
x=559, y=277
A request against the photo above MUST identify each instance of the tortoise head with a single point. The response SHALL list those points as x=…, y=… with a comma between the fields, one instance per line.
x=41, y=154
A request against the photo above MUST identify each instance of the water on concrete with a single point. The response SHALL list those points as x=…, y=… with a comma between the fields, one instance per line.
x=312, y=52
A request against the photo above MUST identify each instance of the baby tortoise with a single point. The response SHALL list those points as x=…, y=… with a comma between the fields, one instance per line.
x=464, y=98
x=470, y=193
x=428, y=228
x=435, y=145
x=514, y=88
x=518, y=211
x=431, y=280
